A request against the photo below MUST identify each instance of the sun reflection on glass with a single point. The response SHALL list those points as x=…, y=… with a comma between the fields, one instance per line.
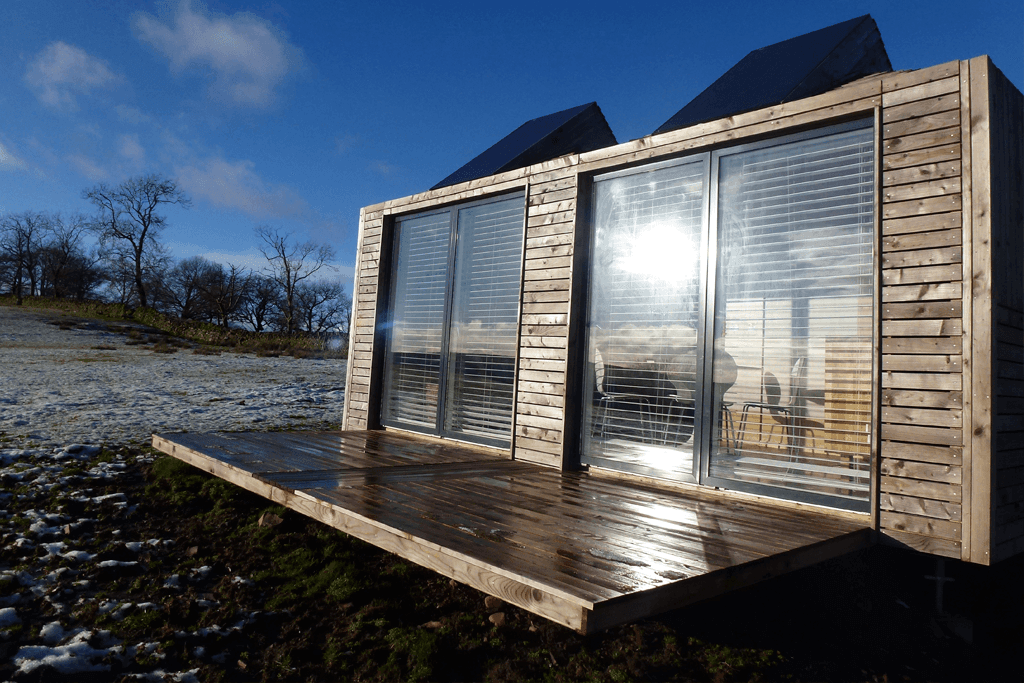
x=661, y=251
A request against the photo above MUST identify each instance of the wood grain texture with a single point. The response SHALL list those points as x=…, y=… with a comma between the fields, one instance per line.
x=587, y=552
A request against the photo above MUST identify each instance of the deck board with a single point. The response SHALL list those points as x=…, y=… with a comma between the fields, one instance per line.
x=585, y=550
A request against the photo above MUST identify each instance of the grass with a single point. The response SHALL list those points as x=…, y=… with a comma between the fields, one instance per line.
x=169, y=334
x=353, y=612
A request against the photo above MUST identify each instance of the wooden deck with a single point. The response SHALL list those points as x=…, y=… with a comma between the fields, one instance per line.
x=585, y=550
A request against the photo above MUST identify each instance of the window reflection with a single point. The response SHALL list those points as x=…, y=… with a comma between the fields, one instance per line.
x=644, y=314
x=794, y=310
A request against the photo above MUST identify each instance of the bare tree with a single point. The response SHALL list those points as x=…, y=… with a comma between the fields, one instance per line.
x=120, y=272
x=127, y=214
x=323, y=307
x=181, y=291
x=288, y=265
x=66, y=269
x=224, y=291
x=259, y=303
x=20, y=242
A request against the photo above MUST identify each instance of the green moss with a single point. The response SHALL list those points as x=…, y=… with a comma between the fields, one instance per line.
x=8, y=585
x=722, y=661
x=412, y=656
x=138, y=622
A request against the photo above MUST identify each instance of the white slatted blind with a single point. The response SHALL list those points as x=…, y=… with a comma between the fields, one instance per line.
x=452, y=339
x=417, y=320
x=485, y=313
x=794, y=313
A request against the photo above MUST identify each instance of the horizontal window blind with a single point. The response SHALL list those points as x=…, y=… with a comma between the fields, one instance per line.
x=485, y=313
x=794, y=314
x=418, y=298
x=454, y=321
x=641, y=383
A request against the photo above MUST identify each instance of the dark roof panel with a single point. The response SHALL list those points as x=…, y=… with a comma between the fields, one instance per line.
x=807, y=65
x=580, y=129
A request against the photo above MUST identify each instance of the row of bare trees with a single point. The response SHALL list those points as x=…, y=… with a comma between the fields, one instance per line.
x=116, y=254
x=44, y=254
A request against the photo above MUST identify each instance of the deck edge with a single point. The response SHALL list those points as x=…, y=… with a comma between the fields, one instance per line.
x=714, y=584
x=544, y=601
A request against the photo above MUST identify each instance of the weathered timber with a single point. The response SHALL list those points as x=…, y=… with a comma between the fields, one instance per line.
x=501, y=526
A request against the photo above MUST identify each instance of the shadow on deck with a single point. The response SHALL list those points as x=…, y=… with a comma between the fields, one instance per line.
x=586, y=550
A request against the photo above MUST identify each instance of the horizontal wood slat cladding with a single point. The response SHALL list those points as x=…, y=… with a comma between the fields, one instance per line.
x=361, y=326
x=922, y=433
x=925, y=302
x=543, y=343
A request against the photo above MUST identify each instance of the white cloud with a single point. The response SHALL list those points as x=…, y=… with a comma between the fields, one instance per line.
x=247, y=54
x=132, y=115
x=129, y=148
x=9, y=161
x=62, y=71
x=88, y=167
x=236, y=185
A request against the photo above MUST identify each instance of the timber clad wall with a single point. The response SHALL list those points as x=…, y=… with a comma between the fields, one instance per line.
x=544, y=334
x=921, y=467
x=943, y=252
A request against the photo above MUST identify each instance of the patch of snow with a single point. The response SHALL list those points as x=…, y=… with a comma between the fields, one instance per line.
x=9, y=617
x=106, y=564
x=53, y=633
x=202, y=572
x=136, y=391
x=122, y=611
x=110, y=497
x=53, y=548
x=76, y=656
x=79, y=556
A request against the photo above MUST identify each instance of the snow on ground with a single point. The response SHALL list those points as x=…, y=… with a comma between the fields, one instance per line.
x=56, y=388
x=60, y=400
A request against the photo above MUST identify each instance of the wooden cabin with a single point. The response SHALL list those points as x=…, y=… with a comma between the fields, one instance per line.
x=808, y=314
x=817, y=302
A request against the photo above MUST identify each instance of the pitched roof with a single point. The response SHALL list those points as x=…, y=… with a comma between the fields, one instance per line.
x=807, y=65
x=579, y=129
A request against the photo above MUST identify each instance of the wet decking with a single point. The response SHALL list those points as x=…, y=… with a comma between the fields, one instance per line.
x=585, y=550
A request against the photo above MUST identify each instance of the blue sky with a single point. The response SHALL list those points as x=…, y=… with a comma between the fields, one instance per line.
x=297, y=114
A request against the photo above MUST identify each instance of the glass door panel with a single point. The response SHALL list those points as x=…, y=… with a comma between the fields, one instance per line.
x=644, y=365
x=791, y=399
x=485, y=313
x=412, y=370
x=454, y=315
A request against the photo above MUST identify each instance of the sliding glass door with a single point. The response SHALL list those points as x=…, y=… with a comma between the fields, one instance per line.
x=793, y=312
x=729, y=331
x=645, y=309
x=453, y=321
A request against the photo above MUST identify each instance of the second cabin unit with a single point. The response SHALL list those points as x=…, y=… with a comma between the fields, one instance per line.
x=814, y=297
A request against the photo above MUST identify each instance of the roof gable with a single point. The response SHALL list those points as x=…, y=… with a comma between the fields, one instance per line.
x=579, y=129
x=806, y=65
